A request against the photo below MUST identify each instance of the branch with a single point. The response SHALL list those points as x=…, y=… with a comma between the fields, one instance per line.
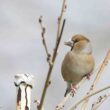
x=64, y=6
x=52, y=59
x=43, y=39
x=58, y=41
x=99, y=101
x=38, y=102
x=104, y=63
x=47, y=82
x=88, y=96
x=96, y=80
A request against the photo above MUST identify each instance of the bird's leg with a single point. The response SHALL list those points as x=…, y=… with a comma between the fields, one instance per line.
x=88, y=75
x=73, y=89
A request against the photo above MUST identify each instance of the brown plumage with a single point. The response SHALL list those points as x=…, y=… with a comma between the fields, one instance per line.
x=78, y=62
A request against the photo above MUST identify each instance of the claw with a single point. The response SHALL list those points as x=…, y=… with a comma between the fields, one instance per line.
x=88, y=75
x=73, y=89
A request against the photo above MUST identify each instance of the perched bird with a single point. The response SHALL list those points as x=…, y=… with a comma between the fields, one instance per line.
x=78, y=62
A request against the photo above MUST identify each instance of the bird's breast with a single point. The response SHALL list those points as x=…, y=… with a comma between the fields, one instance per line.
x=75, y=66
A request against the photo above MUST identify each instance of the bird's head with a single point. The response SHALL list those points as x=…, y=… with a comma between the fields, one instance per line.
x=79, y=43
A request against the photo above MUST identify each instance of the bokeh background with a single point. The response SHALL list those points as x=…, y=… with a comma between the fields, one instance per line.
x=21, y=49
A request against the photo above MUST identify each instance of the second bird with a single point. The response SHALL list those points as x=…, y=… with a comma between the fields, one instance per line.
x=78, y=62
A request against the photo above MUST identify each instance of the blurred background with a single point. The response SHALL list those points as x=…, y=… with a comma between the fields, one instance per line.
x=21, y=49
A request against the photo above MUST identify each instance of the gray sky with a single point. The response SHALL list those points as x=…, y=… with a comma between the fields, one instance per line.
x=21, y=49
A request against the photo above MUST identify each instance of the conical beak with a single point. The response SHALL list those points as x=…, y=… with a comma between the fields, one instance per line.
x=69, y=43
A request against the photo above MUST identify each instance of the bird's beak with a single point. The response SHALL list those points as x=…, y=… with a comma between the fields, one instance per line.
x=69, y=43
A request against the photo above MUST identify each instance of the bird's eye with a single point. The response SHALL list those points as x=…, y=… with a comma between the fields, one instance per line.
x=75, y=41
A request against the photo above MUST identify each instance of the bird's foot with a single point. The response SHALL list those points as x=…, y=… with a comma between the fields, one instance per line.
x=88, y=75
x=73, y=89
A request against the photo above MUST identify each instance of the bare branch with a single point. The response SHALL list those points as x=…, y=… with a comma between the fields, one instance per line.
x=96, y=80
x=64, y=6
x=88, y=96
x=38, y=102
x=47, y=82
x=58, y=41
x=105, y=62
x=99, y=101
x=43, y=39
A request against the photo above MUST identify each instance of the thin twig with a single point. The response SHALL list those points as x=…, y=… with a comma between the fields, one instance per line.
x=50, y=69
x=96, y=80
x=43, y=39
x=58, y=41
x=105, y=62
x=60, y=19
x=99, y=101
x=38, y=102
x=88, y=96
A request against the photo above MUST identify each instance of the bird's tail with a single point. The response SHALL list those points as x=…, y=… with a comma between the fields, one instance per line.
x=68, y=89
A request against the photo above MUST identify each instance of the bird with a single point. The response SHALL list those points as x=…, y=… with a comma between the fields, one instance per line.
x=78, y=62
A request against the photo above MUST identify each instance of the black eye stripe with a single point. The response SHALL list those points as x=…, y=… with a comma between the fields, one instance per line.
x=75, y=41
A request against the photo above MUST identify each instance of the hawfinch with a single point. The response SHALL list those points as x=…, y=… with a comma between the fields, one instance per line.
x=78, y=62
